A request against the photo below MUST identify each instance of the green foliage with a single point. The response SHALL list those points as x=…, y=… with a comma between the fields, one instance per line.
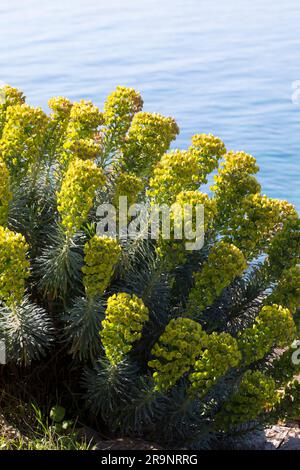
x=173, y=345
x=57, y=413
x=27, y=332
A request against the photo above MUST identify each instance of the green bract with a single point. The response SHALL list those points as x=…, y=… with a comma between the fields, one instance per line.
x=101, y=257
x=225, y=262
x=124, y=319
x=176, y=351
x=14, y=266
x=77, y=193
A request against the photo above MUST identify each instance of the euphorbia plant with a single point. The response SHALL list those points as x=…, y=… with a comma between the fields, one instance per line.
x=173, y=345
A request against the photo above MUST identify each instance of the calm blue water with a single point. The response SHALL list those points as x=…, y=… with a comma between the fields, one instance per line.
x=219, y=66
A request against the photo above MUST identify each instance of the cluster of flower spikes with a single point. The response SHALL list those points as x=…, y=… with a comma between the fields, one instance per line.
x=119, y=109
x=287, y=291
x=101, y=254
x=274, y=326
x=124, y=320
x=9, y=96
x=185, y=226
x=233, y=182
x=127, y=185
x=185, y=170
x=148, y=138
x=256, y=393
x=59, y=119
x=60, y=106
x=76, y=196
x=284, y=249
x=14, y=266
x=5, y=193
x=176, y=171
x=176, y=351
x=194, y=199
x=256, y=221
x=225, y=262
x=23, y=137
x=220, y=355
x=85, y=119
x=85, y=149
x=209, y=150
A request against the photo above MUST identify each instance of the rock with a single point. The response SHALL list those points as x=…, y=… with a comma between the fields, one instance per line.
x=293, y=443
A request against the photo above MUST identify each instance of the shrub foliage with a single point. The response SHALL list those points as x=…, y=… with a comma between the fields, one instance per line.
x=176, y=346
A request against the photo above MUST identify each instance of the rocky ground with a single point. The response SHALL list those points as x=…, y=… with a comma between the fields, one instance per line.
x=278, y=437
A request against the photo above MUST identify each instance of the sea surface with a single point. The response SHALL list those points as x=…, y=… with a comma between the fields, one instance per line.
x=221, y=66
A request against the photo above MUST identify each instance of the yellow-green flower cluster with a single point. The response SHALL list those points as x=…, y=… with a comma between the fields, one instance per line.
x=225, y=262
x=173, y=251
x=177, y=170
x=60, y=106
x=176, y=351
x=221, y=354
x=23, y=137
x=233, y=183
x=256, y=393
x=85, y=118
x=101, y=254
x=194, y=199
x=123, y=324
x=9, y=96
x=129, y=185
x=58, y=123
x=5, y=193
x=85, y=149
x=287, y=292
x=235, y=180
x=119, y=109
x=185, y=170
x=255, y=221
x=76, y=196
x=273, y=327
x=12, y=96
x=148, y=138
x=284, y=249
x=209, y=150
x=14, y=266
